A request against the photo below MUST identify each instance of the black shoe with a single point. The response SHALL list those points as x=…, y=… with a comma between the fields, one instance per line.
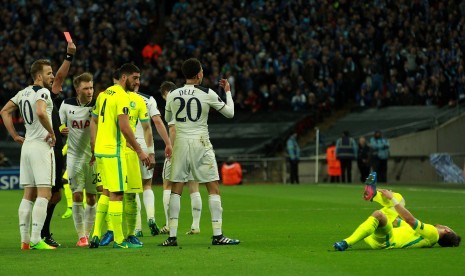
x=171, y=241
x=222, y=240
x=50, y=241
x=154, y=230
x=94, y=242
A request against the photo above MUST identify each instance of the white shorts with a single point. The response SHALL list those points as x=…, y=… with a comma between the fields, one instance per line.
x=145, y=173
x=167, y=170
x=37, y=165
x=194, y=156
x=81, y=175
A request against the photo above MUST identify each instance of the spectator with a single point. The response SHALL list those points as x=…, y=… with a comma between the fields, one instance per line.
x=346, y=151
x=363, y=158
x=293, y=150
x=231, y=172
x=380, y=154
x=298, y=101
x=360, y=42
x=4, y=161
x=334, y=165
x=151, y=51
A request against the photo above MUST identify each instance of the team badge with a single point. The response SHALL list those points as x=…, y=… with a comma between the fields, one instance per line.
x=44, y=96
x=132, y=104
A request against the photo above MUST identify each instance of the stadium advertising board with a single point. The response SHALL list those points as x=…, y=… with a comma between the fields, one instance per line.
x=9, y=179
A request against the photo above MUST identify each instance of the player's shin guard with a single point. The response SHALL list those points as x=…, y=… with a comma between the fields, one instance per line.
x=89, y=216
x=214, y=202
x=138, y=217
x=115, y=212
x=365, y=229
x=102, y=209
x=78, y=218
x=149, y=203
x=39, y=213
x=25, y=213
x=130, y=211
x=175, y=208
x=196, y=204
x=166, y=204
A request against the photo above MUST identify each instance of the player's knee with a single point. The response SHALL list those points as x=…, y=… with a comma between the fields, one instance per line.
x=77, y=197
x=379, y=216
x=91, y=199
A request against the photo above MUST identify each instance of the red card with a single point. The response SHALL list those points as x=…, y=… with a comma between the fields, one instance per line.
x=68, y=37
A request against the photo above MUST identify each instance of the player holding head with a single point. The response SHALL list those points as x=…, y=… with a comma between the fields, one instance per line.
x=196, y=199
x=394, y=226
x=75, y=118
x=110, y=130
x=37, y=174
x=147, y=175
x=193, y=152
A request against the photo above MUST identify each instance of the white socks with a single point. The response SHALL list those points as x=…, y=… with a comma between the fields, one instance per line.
x=175, y=207
x=214, y=202
x=78, y=217
x=89, y=215
x=166, y=204
x=39, y=213
x=24, y=213
x=196, y=204
x=149, y=203
x=138, y=218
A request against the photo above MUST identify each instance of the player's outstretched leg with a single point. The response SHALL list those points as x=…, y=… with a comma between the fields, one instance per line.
x=364, y=230
x=370, y=187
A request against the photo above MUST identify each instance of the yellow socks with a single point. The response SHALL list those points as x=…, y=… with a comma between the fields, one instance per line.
x=115, y=212
x=68, y=195
x=130, y=211
x=101, y=213
x=365, y=229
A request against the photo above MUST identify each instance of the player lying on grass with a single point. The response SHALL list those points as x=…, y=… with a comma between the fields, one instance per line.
x=393, y=226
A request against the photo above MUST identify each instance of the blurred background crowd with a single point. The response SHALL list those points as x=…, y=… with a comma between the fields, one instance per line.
x=278, y=55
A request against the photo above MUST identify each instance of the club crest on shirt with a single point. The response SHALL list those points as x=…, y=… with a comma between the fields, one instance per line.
x=132, y=104
x=44, y=96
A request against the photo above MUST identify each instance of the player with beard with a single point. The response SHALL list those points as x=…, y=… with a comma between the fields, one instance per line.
x=110, y=130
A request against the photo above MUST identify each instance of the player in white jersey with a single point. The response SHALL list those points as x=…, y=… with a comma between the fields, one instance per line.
x=75, y=116
x=192, y=151
x=147, y=175
x=37, y=169
x=196, y=199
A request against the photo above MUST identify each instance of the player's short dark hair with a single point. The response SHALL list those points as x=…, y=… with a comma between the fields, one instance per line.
x=191, y=67
x=450, y=239
x=116, y=74
x=166, y=87
x=37, y=67
x=128, y=69
x=84, y=77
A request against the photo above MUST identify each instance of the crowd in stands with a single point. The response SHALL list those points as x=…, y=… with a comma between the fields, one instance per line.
x=278, y=55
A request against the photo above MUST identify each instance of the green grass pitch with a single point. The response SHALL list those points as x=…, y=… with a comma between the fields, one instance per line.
x=284, y=229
